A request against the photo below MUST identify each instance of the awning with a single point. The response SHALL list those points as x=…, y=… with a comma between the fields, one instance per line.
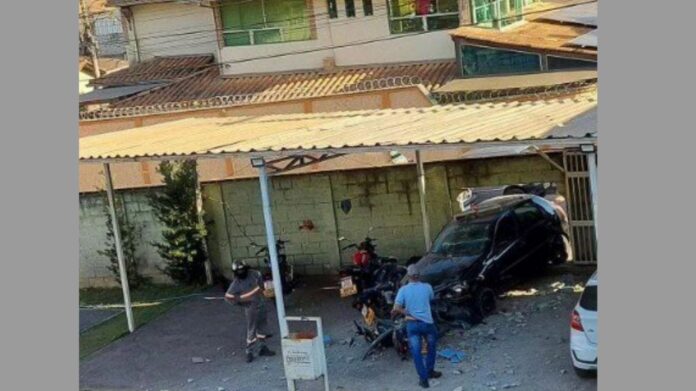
x=529, y=123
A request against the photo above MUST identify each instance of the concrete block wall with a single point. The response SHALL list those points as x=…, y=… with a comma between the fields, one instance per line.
x=383, y=198
x=502, y=171
x=234, y=215
x=94, y=270
x=386, y=200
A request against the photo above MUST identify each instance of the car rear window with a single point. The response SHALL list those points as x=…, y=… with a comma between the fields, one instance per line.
x=588, y=300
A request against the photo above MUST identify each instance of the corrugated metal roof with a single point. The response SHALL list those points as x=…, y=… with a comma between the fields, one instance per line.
x=158, y=69
x=107, y=94
x=585, y=14
x=373, y=130
x=590, y=39
x=264, y=88
x=517, y=81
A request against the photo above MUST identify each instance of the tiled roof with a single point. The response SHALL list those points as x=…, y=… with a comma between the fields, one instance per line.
x=367, y=131
x=535, y=33
x=276, y=87
x=106, y=65
x=158, y=69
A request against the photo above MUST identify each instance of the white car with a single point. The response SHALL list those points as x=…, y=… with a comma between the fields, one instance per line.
x=583, y=331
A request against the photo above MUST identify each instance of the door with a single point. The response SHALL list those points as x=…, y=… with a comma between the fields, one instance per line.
x=533, y=236
x=506, y=248
x=587, y=309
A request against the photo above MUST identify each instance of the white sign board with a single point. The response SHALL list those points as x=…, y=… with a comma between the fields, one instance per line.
x=302, y=358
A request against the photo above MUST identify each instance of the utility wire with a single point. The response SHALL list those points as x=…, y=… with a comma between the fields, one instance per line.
x=355, y=43
x=315, y=17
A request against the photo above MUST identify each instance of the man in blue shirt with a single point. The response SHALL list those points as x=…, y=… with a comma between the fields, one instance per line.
x=413, y=301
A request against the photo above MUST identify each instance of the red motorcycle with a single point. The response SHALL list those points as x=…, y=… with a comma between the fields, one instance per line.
x=366, y=269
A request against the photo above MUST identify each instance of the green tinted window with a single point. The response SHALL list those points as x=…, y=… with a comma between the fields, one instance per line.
x=479, y=61
x=407, y=16
x=497, y=13
x=253, y=22
x=555, y=63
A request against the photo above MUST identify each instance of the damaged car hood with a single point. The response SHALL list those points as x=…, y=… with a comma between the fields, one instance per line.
x=436, y=268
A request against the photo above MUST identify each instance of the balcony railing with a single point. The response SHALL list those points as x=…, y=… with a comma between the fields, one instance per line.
x=429, y=22
x=498, y=13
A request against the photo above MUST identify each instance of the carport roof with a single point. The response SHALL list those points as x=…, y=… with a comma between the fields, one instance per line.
x=532, y=122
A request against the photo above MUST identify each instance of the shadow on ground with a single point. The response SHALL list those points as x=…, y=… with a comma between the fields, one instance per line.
x=522, y=347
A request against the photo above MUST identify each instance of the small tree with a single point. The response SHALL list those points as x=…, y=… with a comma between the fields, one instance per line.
x=183, y=235
x=130, y=233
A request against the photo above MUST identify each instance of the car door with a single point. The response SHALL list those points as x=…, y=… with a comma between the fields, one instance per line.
x=533, y=236
x=505, y=248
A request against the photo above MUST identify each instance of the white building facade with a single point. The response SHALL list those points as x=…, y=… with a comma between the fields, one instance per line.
x=262, y=36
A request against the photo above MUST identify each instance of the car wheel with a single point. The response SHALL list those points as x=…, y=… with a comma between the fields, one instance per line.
x=484, y=301
x=585, y=373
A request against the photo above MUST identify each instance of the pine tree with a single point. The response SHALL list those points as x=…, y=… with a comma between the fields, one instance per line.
x=182, y=234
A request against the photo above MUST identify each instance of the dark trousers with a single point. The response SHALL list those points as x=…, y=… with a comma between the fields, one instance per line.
x=417, y=330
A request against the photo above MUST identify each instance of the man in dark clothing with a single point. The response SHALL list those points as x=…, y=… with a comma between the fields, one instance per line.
x=246, y=290
x=413, y=301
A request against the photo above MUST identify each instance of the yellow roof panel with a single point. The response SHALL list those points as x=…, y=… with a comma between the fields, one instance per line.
x=345, y=131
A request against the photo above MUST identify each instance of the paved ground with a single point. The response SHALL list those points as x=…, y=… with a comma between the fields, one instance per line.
x=522, y=347
x=92, y=317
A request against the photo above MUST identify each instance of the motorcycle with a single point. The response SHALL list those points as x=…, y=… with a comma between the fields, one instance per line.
x=384, y=332
x=287, y=273
x=366, y=263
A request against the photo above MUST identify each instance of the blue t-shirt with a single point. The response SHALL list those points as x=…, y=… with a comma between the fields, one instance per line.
x=415, y=297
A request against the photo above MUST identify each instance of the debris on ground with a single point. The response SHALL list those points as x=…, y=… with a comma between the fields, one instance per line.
x=197, y=360
x=455, y=356
x=510, y=385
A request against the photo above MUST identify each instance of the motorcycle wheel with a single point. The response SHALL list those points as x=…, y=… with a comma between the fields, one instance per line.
x=401, y=346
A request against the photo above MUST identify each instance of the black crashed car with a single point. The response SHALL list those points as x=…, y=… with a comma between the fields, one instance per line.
x=499, y=241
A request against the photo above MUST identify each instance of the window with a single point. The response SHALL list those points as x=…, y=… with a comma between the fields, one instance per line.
x=407, y=16
x=588, y=300
x=555, y=63
x=527, y=216
x=350, y=8
x=333, y=9
x=460, y=238
x=479, y=61
x=367, y=7
x=497, y=13
x=254, y=22
x=507, y=231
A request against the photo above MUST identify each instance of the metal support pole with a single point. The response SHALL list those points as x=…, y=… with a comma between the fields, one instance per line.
x=421, y=192
x=592, y=170
x=273, y=254
x=199, y=212
x=119, y=248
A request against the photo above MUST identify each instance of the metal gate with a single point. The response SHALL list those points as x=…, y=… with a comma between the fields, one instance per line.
x=580, y=213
